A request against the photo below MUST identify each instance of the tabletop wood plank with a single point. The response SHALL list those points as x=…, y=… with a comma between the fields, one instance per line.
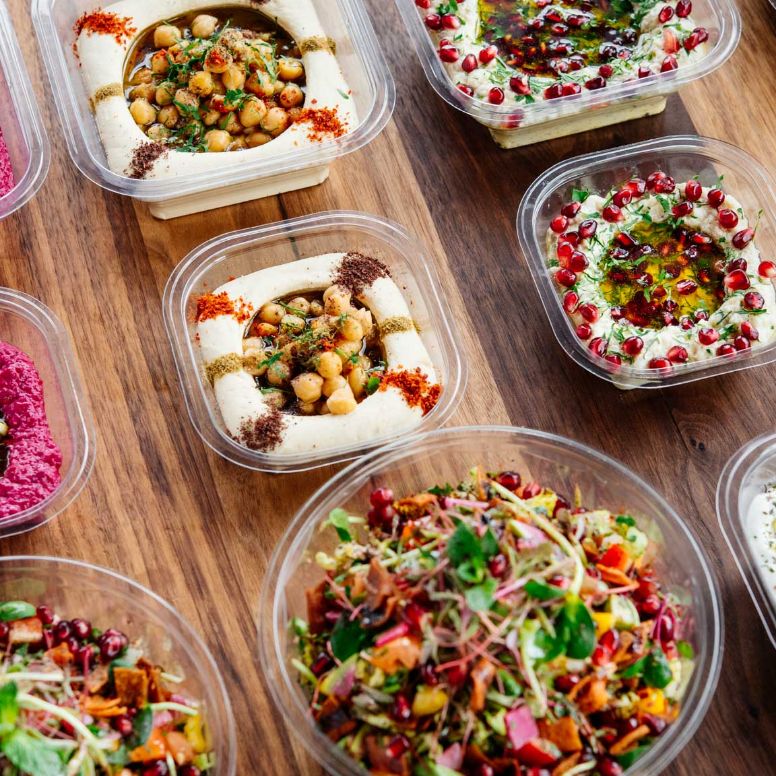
x=167, y=511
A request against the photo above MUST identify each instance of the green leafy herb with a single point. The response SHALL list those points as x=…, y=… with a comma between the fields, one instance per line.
x=579, y=195
x=9, y=708
x=685, y=649
x=31, y=755
x=372, y=384
x=542, y=590
x=16, y=610
x=630, y=757
x=339, y=518
x=576, y=628
x=142, y=726
x=445, y=490
x=348, y=638
x=480, y=597
x=657, y=671
x=626, y=520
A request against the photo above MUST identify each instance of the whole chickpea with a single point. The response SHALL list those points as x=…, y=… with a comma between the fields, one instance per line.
x=264, y=330
x=165, y=93
x=307, y=408
x=348, y=348
x=143, y=112
x=261, y=84
x=160, y=64
x=357, y=380
x=217, y=140
x=290, y=69
x=292, y=323
x=291, y=96
x=218, y=59
x=238, y=144
x=316, y=307
x=187, y=98
x=169, y=116
x=364, y=316
x=142, y=76
x=204, y=26
x=308, y=387
x=275, y=122
x=158, y=133
x=329, y=365
x=351, y=328
x=234, y=77
x=278, y=87
x=299, y=305
x=336, y=300
x=166, y=35
x=333, y=384
x=253, y=111
x=143, y=91
x=211, y=118
x=275, y=399
x=278, y=374
x=201, y=83
x=342, y=402
x=231, y=124
x=256, y=139
x=272, y=313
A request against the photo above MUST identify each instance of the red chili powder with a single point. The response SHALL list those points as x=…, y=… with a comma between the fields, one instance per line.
x=415, y=387
x=322, y=121
x=7, y=181
x=120, y=28
x=213, y=305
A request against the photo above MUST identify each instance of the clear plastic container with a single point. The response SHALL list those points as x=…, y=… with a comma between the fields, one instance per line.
x=681, y=156
x=240, y=253
x=442, y=456
x=360, y=58
x=513, y=126
x=108, y=600
x=744, y=477
x=20, y=122
x=30, y=326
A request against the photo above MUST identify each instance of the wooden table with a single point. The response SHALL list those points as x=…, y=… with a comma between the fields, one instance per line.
x=163, y=509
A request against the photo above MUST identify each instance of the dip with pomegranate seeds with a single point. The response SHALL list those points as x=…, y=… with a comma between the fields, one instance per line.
x=517, y=52
x=7, y=181
x=761, y=533
x=29, y=458
x=656, y=274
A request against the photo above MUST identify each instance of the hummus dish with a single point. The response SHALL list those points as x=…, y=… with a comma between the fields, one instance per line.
x=656, y=274
x=29, y=458
x=174, y=84
x=761, y=534
x=315, y=355
x=517, y=53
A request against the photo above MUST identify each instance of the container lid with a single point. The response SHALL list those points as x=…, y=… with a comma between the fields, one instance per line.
x=21, y=125
x=746, y=510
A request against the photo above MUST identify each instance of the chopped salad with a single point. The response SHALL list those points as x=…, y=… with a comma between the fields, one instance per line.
x=493, y=627
x=77, y=701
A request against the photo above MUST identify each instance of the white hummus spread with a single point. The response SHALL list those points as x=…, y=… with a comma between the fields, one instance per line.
x=761, y=534
x=248, y=415
x=103, y=59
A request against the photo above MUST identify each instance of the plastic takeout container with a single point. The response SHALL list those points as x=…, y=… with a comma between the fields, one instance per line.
x=445, y=456
x=682, y=157
x=108, y=600
x=360, y=58
x=745, y=476
x=518, y=125
x=30, y=326
x=20, y=122
x=240, y=253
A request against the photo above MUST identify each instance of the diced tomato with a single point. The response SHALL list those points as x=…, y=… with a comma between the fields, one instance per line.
x=616, y=557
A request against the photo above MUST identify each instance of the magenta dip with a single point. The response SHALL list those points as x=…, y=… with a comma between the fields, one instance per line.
x=6, y=171
x=30, y=456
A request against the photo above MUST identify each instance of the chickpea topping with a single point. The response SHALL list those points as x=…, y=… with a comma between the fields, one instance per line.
x=217, y=140
x=333, y=384
x=218, y=59
x=336, y=301
x=253, y=111
x=265, y=329
x=204, y=26
x=351, y=328
x=291, y=96
x=165, y=93
x=278, y=374
x=357, y=379
x=329, y=365
x=256, y=139
x=187, y=98
x=143, y=112
x=308, y=386
x=231, y=124
x=142, y=76
x=299, y=305
x=342, y=402
x=276, y=399
x=292, y=323
x=169, y=116
x=316, y=308
x=290, y=69
x=143, y=91
x=272, y=313
x=158, y=133
x=347, y=349
x=160, y=64
x=211, y=118
x=166, y=35
x=261, y=84
x=234, y=77
x=307, y=408
x=238, y=144
x=201, y=83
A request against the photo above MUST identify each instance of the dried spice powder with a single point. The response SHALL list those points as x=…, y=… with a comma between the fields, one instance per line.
x=324, y=122
x=415, y=387
x=213, y=305
x=7, y=181
x=396, y=325
x=357, y=272
x=144, y=158
x=120, y=28
x=264, y=433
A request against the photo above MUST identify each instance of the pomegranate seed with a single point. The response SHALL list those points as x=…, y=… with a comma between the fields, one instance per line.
x=622, y=197
x=767, y=269
x=612, y=214
x=588, y=228
x=656, y=725
x=567, y=682
x=566, y=277
x=401, y=711
x=737, y=280
x=683, y=8
x=496, y=95
x=466, y=89
x=483, y=769
x=614, y=359
x=715, y=197
x=741, y=343
x=677, y=355
x=530, y=490
x=633, y=346
x=643, y=72
x=570, y=301
x=575, y=20
x=665, y=185
x=753, y=301
x=157, y=768
x=607, y=71
x=743, y=238
x=559, y=224
x=509, y=480
x=498, y=565
x=625, y=239
x=564, y=250
x=570, y=237
x=693, y=191
x=433, y=21
x=681, y=209
x=488, y=54
x=701, y=315
x=686, y=322
x=578, y=261
x=668, y=64
x=659, y=363
x=45, y=614
x=398, y=746
x=737, y=264
x=321, y=664
x=381, y=497
x=749, y=331
x=650, y=606
x=589, y=312
x=450, y=21
x=727, y=218
x=596, y=82
x=726, y=349
x=123, y=724
x=553, y=92
x=560, y=503
x=606, y=766
x=423, y=3
x=469, y=63
x=617, y=313
x=429, y=675
x=457, y=675
x=110, y=647
x=62, y=631
x=519, y=85
x=597, y=346
x=449, y=54
x=708, y=336
x=666, y=14
x=686, y=287
x=692, y=41
x=654, y=179
x=570, y=209
x=637, y=186
x=584, y=331
x=81, y=628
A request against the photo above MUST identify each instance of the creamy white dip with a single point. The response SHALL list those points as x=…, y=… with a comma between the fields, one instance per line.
x=239, y=398
x=761, y=535
x=103, y=61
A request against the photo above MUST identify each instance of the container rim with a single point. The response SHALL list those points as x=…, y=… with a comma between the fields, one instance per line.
x=29, y=118
x=53, y=331
x=182, y=624
x=203, y=416
x=736, y=472
x=365, y=46
x=534, y=253
x=495, y=116
x=271, y=611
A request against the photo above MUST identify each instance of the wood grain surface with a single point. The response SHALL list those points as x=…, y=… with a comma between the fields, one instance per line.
x=163, y=509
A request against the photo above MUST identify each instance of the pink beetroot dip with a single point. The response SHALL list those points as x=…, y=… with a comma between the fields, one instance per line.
x=6, y=172
x=34, y=459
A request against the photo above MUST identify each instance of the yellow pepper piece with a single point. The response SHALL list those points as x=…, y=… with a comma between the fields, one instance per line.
x=428, y=700
x=604, y=621
x=195, y=734
x=652, y=701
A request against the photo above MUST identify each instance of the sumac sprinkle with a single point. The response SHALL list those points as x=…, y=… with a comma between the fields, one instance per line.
x=264, y=433
x=415, y=387
x=357, y=272
x=143, y=159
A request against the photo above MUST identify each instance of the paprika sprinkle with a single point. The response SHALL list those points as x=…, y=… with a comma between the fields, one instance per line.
x=214, y=305
x=322, y=121
x=120, y=28
x=415, y=387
